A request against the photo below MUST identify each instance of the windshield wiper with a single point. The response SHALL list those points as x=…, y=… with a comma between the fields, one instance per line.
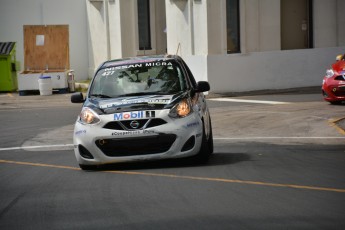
x=100, y=95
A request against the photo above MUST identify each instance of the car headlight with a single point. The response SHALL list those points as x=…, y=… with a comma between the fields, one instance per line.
x=329, y=73
x=88, y=116
x=181, y=109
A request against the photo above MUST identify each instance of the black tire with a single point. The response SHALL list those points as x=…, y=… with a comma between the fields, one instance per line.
x=206, y=149
x=88, y=167
x=336, y=102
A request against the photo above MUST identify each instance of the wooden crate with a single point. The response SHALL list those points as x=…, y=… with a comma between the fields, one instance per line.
x=46, y=52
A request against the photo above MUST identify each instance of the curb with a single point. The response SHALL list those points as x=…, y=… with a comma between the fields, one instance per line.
x=298, y=90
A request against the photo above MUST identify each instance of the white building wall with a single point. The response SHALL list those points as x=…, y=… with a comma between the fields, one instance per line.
x=199, y=28
x=269, y=25
x=200, y=33
x=15, y=14
x=215, y=26
x=179, y=28
x=113, y=30
x=340, y=22
x=261, y=64
x=129, y=29
x=249, y=13
x=160, y=26
x=325, y=21
x=260, y=25
x=97, y=41
x=268, y=70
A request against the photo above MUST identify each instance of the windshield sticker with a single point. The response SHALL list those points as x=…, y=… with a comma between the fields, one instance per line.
x=138, y=65
x=148, y=100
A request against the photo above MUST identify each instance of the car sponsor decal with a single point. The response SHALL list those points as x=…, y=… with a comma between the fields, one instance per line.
x=125, y=65
x=193, y=124
x=136, y=132
x=134, y=115
x=136, y=100
x=80, y=132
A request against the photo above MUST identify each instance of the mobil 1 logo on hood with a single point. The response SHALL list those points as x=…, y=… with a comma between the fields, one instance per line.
x=134, y=115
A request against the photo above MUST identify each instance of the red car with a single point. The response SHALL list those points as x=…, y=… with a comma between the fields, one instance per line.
x=333, y=84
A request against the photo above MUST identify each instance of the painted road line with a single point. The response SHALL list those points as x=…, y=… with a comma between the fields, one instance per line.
x=210, y=179
x=68, y=146
x=334, y=123
x=273, y=138
x=250, y=101
x=39, y=164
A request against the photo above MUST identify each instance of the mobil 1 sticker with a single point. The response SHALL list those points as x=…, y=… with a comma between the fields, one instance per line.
x=134, y=115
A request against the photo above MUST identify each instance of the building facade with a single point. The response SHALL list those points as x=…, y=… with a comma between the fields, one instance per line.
x=237, y=45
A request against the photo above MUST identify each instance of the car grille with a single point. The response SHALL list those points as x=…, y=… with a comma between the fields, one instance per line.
x=143, y=124
x=340, y=92
x=136, y=145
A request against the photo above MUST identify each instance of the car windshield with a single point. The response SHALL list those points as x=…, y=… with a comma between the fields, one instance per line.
x=134, y=79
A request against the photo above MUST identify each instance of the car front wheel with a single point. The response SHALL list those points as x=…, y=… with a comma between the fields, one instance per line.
x=206, y=149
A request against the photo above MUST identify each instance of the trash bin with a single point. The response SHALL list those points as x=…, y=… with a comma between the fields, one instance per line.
x=8, y=70
x=45, y=85
x=71, y=81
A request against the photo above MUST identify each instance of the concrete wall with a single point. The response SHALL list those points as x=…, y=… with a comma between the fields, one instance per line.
x=261, y=64
x=329, y=23
x=196, y=27
x=264, y=70
x=113, y=30
x=179, y=29
x=15, y=14
x=259, y=25
x=97, y=29
x=101, y=31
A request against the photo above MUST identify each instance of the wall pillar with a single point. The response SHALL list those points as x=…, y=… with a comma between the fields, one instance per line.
x=196, y=27
x=325, y=23
x=112, y=26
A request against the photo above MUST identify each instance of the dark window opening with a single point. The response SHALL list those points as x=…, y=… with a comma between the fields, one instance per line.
x=144, y=25
x=233, y=26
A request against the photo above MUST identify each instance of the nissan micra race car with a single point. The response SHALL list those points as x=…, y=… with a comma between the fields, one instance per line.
x=144, y=108
x=333, y=84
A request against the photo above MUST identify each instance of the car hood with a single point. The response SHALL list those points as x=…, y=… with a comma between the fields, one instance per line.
x=339, y=67
x=133, y=103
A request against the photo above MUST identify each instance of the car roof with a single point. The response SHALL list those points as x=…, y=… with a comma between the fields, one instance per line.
x=140, y=59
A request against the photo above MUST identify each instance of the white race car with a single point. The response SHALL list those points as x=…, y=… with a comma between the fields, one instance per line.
x=143, y=108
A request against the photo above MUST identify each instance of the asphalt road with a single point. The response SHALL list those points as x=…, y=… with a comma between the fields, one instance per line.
x=278, y=164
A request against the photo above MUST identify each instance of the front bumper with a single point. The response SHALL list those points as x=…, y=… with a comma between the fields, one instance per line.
x=94, y=144
x=333, y=92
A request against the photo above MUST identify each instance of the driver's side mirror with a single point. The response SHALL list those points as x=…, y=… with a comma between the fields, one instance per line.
x=203, y=86
x=77, y=98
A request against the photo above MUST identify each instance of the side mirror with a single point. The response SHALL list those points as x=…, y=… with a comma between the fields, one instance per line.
x=339, y=57
x=203, y=86
x=77, y=98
